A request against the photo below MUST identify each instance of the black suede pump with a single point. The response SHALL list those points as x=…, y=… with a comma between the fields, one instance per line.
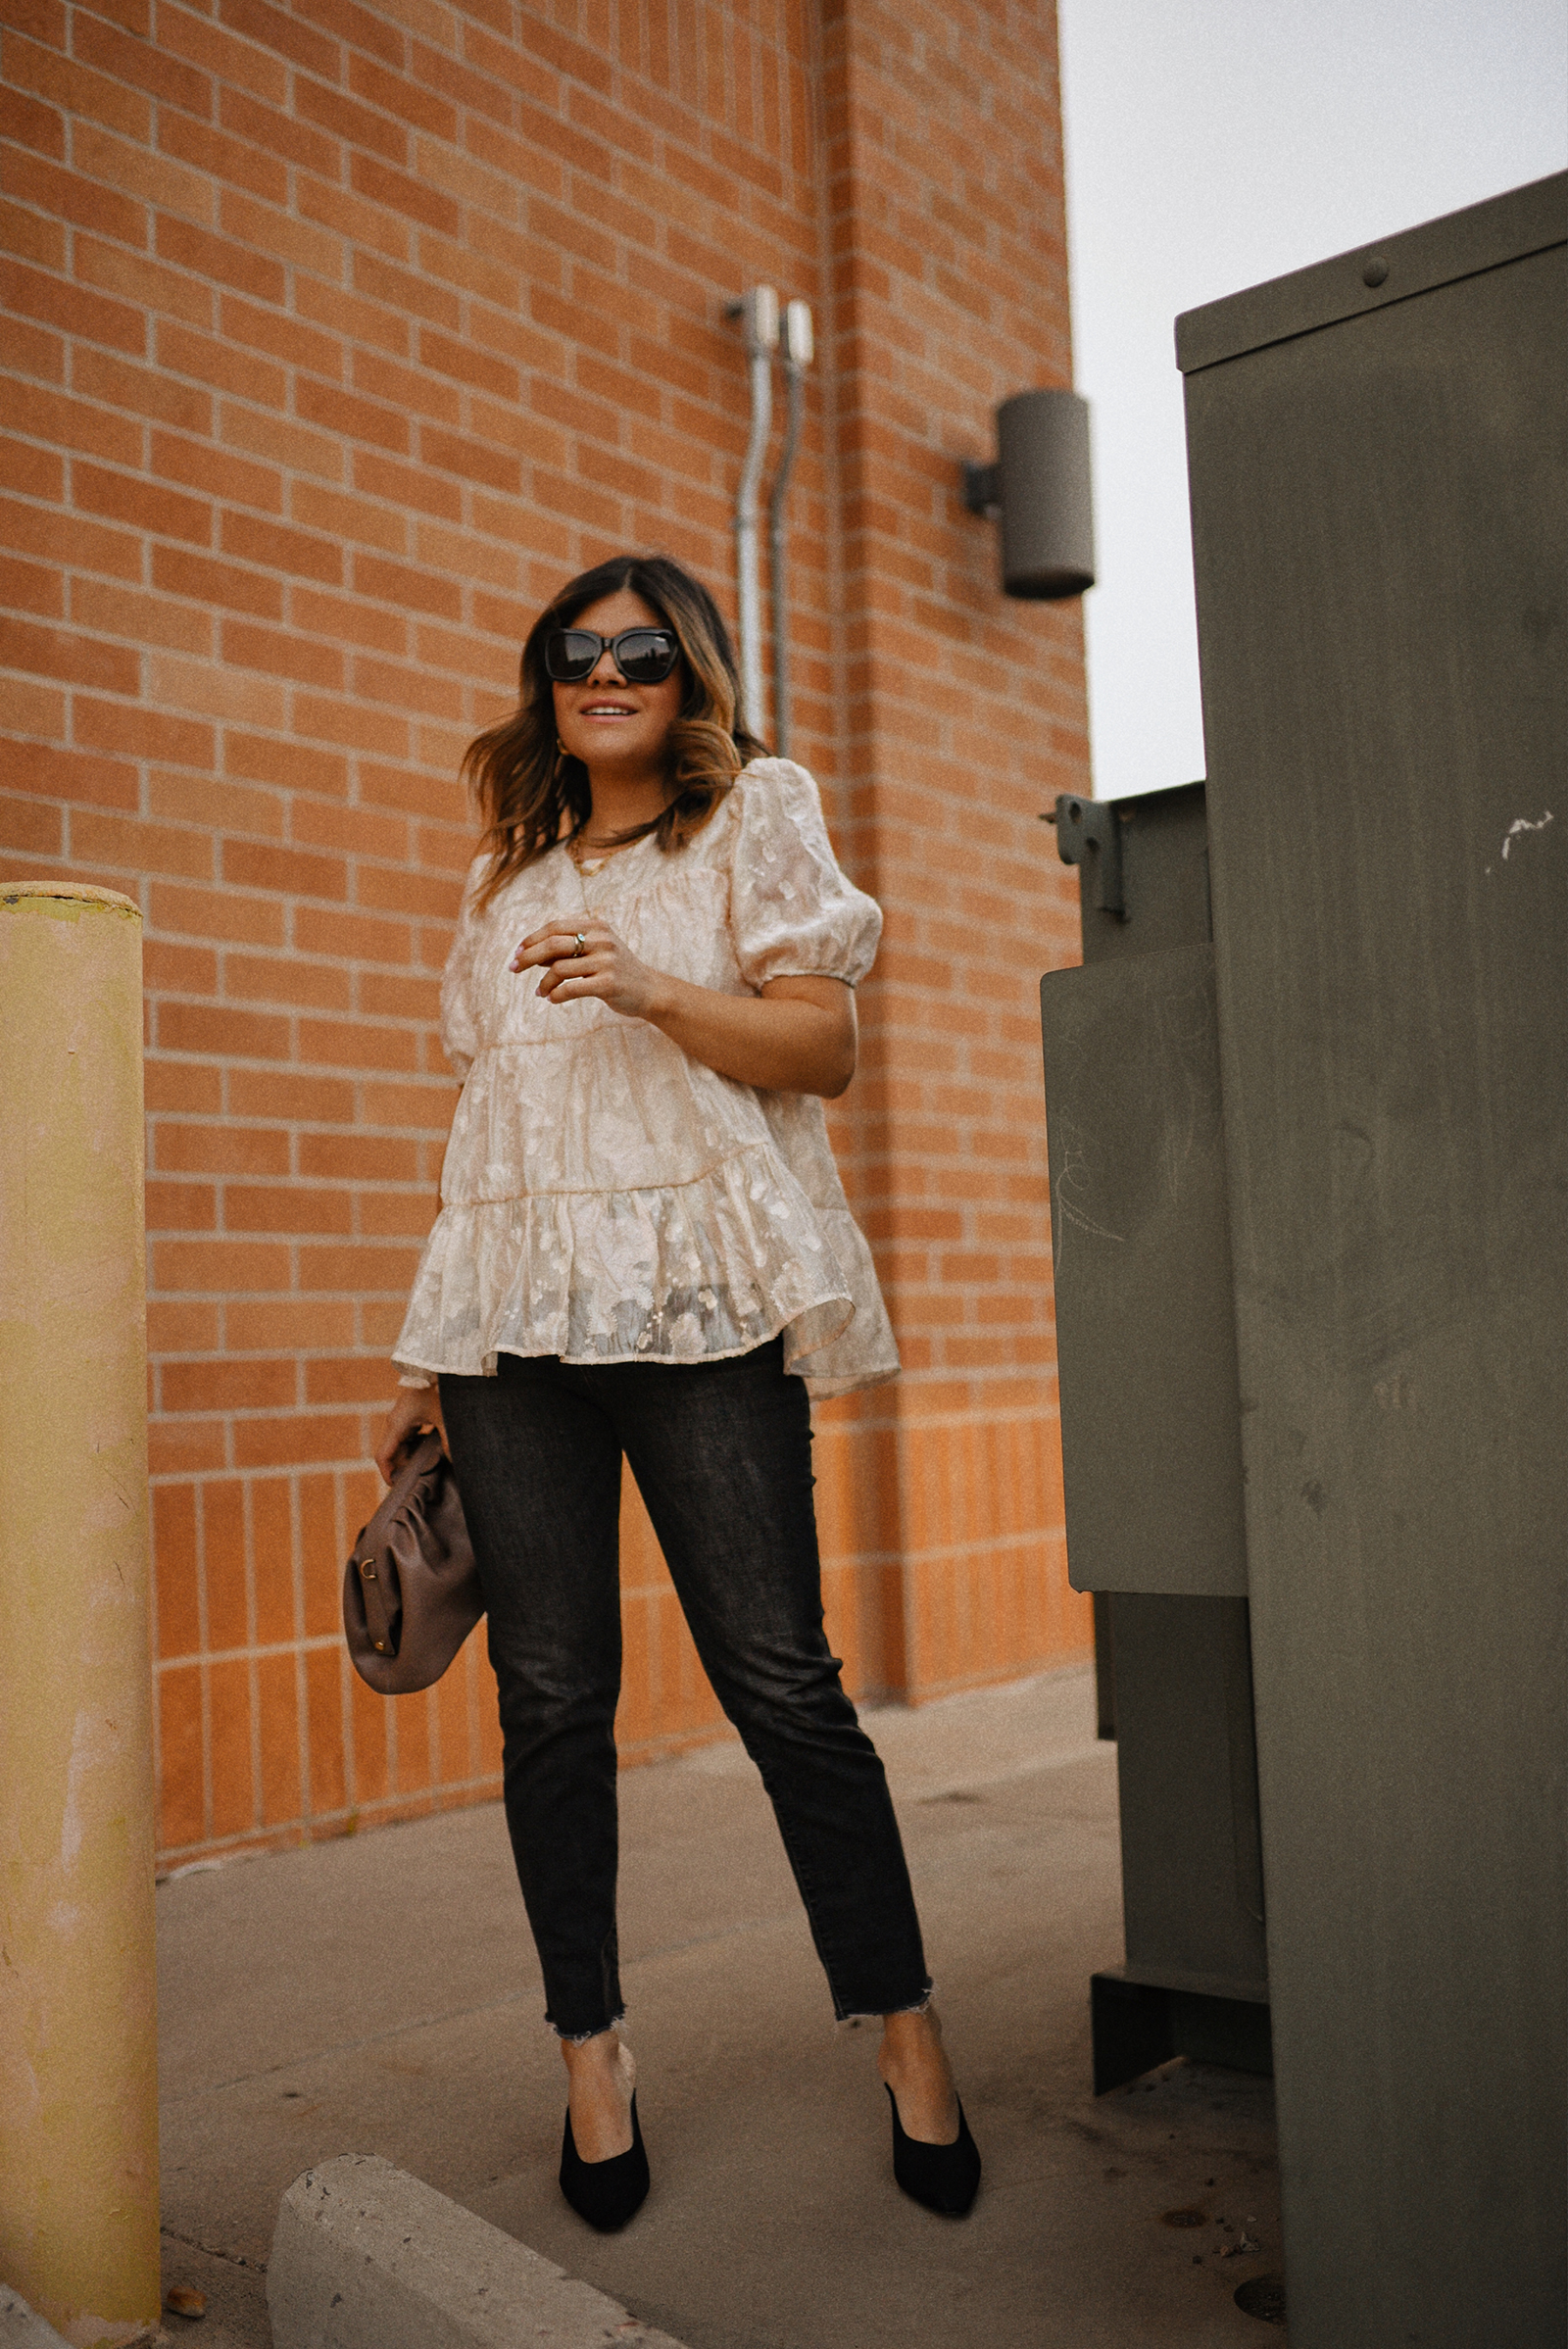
x=945, y=2178
x=606, y=2194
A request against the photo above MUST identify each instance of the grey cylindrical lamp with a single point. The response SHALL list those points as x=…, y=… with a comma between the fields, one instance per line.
x=1039, y=490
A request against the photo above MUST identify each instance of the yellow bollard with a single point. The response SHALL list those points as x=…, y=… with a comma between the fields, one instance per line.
x=78, y=2104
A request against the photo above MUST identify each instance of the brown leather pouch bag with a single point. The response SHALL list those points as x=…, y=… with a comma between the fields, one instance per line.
x=411, y=1590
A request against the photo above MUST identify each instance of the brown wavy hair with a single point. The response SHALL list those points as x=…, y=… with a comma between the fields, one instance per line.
x=530, y=794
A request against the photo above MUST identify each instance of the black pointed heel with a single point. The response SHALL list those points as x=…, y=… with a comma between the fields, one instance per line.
x=945, y=2178
x=606, y=2194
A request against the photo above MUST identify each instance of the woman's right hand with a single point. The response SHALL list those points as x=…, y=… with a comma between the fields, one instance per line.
x=416, y=1408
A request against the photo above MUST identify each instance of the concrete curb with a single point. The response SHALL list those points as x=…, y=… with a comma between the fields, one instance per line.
x=22, y=2327
x=366, y=2257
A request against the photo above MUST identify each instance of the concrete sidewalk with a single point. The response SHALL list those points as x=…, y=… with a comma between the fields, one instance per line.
x=380, y=1995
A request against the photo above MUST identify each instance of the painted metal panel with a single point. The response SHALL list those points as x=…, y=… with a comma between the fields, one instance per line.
x=1192, y=1869
x=1523, y=220
x=1379, y=513
x=1147, y=1360
x=1150, y=1409
x=1164, y=867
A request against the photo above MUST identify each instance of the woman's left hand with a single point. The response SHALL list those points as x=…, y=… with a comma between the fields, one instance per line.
x=797, y=1036
x=602, y=966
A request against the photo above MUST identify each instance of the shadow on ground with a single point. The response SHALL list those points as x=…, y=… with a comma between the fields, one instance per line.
x=380, y=1995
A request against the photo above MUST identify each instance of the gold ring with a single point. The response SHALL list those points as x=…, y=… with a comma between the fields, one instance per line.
x=579, y=941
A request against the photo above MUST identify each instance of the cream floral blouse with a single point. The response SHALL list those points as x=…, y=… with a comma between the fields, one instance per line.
x=604, y=1197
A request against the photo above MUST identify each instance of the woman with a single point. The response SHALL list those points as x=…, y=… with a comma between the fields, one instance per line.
x=644, y=1250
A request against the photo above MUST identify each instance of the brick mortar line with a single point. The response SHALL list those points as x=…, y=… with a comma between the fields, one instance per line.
x=274, y=1008
x=311, y=1128
x=259, y=1065
x=986, y=1546
x=387, y=1187
x=196, y=1357
x=342, y=1465
x=284, y=793
x=284, y=737
x=425, y=1802
x=396, y=1023
x=288, y=475
x=307, y=1643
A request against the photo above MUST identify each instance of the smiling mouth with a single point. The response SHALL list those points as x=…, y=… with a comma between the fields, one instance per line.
x=609, y=710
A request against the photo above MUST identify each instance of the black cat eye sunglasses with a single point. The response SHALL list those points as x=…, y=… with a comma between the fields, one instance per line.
x=643, y=655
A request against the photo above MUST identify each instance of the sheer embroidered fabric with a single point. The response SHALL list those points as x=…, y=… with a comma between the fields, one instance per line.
x=604, y=1197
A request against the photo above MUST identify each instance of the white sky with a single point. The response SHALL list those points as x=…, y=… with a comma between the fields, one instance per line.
x=1215, y=143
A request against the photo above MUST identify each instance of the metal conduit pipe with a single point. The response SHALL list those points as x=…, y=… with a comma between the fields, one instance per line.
x=758, y=312
x=796, y=354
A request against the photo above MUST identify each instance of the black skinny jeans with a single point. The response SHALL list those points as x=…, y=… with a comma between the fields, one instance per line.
x=722, y=1455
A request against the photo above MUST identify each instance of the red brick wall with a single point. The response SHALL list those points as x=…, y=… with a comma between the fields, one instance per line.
x=962, y=714
x=335, y=336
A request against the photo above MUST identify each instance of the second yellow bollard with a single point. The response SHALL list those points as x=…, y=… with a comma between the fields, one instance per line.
x=78, y=2112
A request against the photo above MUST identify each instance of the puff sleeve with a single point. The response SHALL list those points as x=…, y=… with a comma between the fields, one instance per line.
x=459, y=1026
x=793, y=913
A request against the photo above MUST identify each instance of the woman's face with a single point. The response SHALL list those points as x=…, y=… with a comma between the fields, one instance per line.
x=606, y=723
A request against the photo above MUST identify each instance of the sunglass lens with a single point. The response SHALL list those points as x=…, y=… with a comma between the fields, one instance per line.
x=645, y=654
x=570, y=654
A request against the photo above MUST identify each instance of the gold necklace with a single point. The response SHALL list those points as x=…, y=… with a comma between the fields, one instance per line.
x=578, y=848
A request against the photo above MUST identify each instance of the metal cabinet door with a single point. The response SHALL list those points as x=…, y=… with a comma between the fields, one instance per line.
x=1378, y=480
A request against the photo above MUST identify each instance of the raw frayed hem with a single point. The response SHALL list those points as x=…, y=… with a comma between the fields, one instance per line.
x=917, y=2006
x=580, y=2038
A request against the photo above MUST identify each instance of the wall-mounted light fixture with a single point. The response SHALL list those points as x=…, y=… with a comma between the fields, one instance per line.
x=1039, y=491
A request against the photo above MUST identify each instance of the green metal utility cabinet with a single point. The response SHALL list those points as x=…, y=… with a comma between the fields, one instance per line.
x=1151, y=1432
x=1380, y=489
